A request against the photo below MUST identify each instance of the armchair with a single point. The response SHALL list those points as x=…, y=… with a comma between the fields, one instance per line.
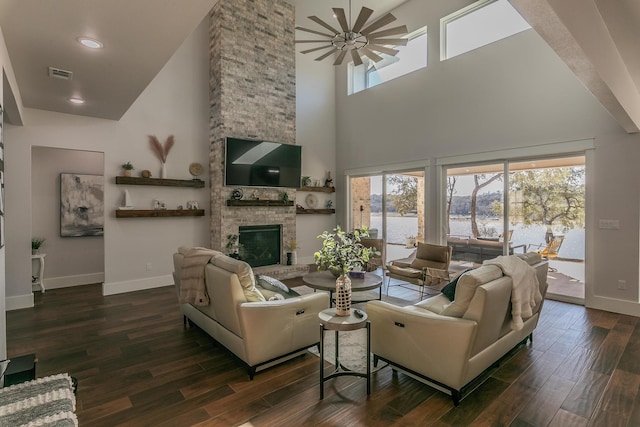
x=427, y=266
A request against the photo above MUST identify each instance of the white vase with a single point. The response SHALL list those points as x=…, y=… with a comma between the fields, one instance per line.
x=163, y=171
x=294, y=258
x=343, y=295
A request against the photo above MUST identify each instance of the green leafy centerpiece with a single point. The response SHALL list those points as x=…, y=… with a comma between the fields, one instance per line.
x=341, y=253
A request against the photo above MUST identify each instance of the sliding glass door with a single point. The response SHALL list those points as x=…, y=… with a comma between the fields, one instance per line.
x=518, y=206
x=392, y=206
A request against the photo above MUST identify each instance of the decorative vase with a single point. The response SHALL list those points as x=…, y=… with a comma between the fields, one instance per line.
x=294, y=258
x=126, y=172
x=343, y=296
x=163, y=171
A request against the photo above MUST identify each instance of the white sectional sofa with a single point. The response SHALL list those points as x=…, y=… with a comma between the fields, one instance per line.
x=259, y=332
x=447, y=344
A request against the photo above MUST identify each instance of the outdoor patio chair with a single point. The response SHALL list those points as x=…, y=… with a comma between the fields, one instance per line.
x=551, y=249
x=427, y=266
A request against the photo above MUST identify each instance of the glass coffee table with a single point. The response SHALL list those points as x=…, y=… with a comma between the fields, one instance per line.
x=325, y=281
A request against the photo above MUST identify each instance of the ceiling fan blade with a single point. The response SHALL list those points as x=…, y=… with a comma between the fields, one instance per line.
x=394, y=42
x=356, y=57
x=342, y=19
x=324, y=24
x=390, y=32
x=340, y=57
x=383, y=49
x=365, y=13
x=312, y=41
x=316, y=48
x=386, y=19
x=370, y=54
x=320, y=58
x=314, y=32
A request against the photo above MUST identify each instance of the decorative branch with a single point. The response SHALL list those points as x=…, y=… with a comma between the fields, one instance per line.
x=160, y=151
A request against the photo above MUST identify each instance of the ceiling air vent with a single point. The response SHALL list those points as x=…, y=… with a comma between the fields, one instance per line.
x=60, y=74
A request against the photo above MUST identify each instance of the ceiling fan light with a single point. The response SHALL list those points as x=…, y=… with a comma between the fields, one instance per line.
x=76, y=101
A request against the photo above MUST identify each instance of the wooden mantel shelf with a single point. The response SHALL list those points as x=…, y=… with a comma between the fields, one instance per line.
x=318, y=189
x=134, y=180
x=246, y=203
x=302, y=211
x=158, y=213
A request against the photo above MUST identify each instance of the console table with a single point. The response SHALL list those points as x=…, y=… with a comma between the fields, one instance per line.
x=39, y=279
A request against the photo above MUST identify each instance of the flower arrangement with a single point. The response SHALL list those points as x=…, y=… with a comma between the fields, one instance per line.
x=342, y=251
x=292, y=245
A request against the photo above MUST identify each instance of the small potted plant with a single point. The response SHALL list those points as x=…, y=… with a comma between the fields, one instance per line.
x=127, y=168
x=233, y=246
x=292, y=255
x=36, y=243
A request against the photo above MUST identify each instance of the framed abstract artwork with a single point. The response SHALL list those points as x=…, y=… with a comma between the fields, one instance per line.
x=81, y=205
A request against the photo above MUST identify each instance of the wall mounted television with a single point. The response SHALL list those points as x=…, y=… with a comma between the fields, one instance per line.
x=262, y=163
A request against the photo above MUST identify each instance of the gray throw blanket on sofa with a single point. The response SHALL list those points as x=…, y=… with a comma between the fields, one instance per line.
x=192, y=284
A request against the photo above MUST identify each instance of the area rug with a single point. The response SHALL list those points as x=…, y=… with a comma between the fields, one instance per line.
x=353, y=346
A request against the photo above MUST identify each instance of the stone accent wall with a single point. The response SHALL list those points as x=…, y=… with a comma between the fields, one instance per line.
x=252, y=95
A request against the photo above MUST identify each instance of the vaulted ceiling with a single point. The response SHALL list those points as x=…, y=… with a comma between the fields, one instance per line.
x=598, y=40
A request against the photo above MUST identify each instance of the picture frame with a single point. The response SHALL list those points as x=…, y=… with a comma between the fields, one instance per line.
x=81, y=205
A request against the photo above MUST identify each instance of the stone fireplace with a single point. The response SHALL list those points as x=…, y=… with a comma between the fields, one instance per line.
x=252, y=95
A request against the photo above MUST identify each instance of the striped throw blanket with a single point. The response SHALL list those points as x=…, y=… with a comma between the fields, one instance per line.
x=47, y=401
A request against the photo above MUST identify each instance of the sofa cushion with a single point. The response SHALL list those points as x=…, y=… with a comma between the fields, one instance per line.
x=432, y=252
x=245, y=276
x=450, y=288
x=405, y=271
x=466, y=288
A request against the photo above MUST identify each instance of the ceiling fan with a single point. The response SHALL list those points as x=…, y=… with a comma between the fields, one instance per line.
x=360, y=40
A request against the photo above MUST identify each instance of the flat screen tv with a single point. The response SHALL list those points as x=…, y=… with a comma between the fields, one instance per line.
x=262, y=163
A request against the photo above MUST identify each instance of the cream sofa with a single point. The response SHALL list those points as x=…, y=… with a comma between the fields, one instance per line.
x=261, y=333
x=449, y=344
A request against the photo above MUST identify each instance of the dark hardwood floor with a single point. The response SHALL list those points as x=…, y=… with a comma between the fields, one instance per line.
x=138, y=365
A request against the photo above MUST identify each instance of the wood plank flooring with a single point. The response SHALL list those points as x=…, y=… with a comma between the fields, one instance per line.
x=137, y=365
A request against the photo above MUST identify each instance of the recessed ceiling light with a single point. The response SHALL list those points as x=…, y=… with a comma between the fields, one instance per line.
x=76, y=101
x=90, y=43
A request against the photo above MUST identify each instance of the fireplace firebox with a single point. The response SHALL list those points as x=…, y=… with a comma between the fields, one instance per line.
x=260, y=244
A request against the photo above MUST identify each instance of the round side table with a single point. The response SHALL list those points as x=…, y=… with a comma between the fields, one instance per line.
x=329, y=321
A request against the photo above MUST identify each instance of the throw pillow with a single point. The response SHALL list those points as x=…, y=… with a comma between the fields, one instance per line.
x=450, y=288
x=274, y=285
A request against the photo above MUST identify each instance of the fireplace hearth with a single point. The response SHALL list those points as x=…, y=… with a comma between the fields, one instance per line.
x=260, y=244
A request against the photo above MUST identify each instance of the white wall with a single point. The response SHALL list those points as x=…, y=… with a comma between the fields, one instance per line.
x=315, y=132
x=512, y=93
x=70, y=261
x=8, y=91
x=175, y=102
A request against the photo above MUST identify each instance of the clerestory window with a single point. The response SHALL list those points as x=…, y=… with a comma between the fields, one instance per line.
x=477, y=25
x=411, y=57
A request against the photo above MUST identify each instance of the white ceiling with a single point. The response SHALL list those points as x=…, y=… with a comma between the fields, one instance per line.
x=141, y=35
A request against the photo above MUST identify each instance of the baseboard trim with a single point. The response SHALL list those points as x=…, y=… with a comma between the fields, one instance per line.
x=630, y=308
x=19, y=302
x=136, y=285
x=69, y=281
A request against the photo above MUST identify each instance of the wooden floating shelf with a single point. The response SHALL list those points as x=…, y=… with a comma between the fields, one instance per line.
x=245, y=203
x=315, y=211
x=156, y=213
x=318, y=189
x=134, y=180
